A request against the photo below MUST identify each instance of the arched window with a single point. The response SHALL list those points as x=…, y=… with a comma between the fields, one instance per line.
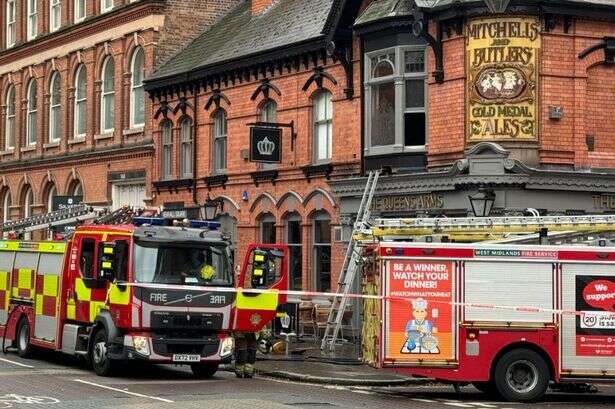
x=137, y=94
x=28, y=203
x=31, y=113
x=186, y=148
x=76, y=189
x=51, y=193
x=32, y=19
x=323, y=127
x=6, y=205
x=80, y=111
x=267, y=228
x=166, y=142
x=55, y=16
x=219, y=141
x=54, y=108
x=9, y=119
x=106, y=5
x=293, y=233
x=269, y=111
x=11, y=36
x=321, y=251
x=107, y=97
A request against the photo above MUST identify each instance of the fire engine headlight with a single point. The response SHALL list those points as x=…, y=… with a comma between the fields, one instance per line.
x=141, y=345
x=226, y=348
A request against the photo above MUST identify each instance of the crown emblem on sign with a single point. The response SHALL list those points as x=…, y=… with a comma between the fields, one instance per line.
x=265, y=147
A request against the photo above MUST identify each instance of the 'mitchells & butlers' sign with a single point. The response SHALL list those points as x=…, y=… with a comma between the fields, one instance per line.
x=503, y=78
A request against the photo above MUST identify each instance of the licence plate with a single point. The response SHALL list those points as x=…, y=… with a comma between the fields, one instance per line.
x=186, y=358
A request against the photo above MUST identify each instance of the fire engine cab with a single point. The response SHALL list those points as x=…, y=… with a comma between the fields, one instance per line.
x=142, y=291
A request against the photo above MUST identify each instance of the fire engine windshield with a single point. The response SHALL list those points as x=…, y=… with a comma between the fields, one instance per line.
x=181, y=265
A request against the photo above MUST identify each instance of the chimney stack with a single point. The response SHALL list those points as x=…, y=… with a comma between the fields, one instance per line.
x=259, y=5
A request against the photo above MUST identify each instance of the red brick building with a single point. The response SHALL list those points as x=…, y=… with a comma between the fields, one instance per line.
x=75, y=120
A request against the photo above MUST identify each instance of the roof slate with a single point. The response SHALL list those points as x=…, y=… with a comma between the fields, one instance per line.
x=240, y=34
x=383, y=9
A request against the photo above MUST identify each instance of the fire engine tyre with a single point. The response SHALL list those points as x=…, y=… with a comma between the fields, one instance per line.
x=521, y=375
x=103, y=366
x=487, y=388
x=204, y=370
x=22, y=339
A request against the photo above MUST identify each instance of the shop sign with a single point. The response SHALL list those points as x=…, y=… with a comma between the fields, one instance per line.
x=604, y=202
x=407, y=202
x=595, y=325
x=65, y=202
x=419, y=311
x=502, y=80
x=265, y=144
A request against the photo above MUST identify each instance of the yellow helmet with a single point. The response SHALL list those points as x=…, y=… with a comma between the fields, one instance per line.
x=207, y=272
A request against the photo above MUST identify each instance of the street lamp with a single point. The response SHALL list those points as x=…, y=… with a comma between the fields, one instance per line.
x=482, y=202
x=211, y=208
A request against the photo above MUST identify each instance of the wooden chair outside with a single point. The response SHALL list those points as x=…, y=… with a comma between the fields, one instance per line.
x=307, y=320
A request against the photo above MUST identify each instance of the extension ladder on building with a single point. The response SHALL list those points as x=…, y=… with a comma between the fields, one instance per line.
x=69, y=215
x=489, y=228
x=351, y=265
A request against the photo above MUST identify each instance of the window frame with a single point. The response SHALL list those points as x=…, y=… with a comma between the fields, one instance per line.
x=31, y=138
x=222, y=138
x=186, y=139
x=9, y=119
x=11, y=24
x=294, y=217
x=104, y=7
x=7, y=202
x=104, y=93
x=31, y=19
x=134, y=88
x=82, y=7
x=82, y=69
x=316, y=123
x=51, y=193
x=268, y=218
x=320, y=216
x=398, y=79
x=166, y=149
x=52, y=5
x=55, y=109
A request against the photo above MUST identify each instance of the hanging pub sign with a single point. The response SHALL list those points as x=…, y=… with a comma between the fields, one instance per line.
x=65, y=202
x=265, y=144
x=502, y=80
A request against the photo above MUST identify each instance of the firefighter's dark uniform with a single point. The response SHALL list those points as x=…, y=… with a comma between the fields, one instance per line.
x=245, y=354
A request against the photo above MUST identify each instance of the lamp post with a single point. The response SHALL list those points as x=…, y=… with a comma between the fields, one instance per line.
x=211, y=208
x=482, y=202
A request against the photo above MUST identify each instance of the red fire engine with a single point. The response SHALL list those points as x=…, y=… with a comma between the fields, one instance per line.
x=510, y=319
x=142, y=291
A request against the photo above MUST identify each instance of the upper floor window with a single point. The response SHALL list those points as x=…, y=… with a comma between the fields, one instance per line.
x=137, y=94
x=6, y=206
x=219, y=141
x=79, y=10
x=323, y=127
x=166, y=165
x=31, y=114
x=9, y=125
x=396, y=100
x=107, y=103
x=55, y=103
x=11, y=36
x=106, y=5
x=32, y=19
x=186, y=148
x=55, y=15
x=80, y=118
x=269, y=111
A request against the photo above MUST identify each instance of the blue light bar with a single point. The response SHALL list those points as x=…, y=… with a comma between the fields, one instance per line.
x=201, y=224
x=152, y=221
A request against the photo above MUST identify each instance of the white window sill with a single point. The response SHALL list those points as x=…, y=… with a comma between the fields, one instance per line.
x=78, y=139
x=133, y=131
x=7, y=152
x=53, y=144
x=28, y=148
x=107, y=135
x=394, y=150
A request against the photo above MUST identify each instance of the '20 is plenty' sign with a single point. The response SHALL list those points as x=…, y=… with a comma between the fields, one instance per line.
x=265, y=144
x=502, y=80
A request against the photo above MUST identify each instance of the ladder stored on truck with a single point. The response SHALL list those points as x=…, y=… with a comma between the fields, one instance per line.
x=352, y=263
x=70, y=215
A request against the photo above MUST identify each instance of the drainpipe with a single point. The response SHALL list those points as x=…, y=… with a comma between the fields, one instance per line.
x=195, y=92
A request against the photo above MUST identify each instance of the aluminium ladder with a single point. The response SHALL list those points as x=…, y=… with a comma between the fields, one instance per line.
x=69, y=215
x=351, y=265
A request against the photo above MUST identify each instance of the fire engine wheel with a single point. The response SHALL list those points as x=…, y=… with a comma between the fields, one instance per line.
x=521, y=375
x=204, y=370
x=487, y=388
x=24, y=348
x=103, y=366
